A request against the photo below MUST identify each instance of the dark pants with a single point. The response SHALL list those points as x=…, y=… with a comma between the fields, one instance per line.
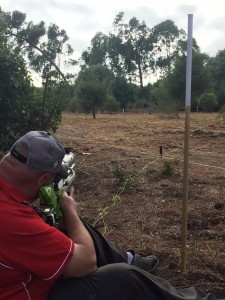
x=116, y=280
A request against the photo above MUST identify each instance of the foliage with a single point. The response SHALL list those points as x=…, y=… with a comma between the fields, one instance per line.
x=91, y=95
x=168, y=45
x=22, y=44
x=177, y=79
x=136, y=48
x=221, y=93
x=164, y=103
x=168, y=168
x=111, y=104
x=97, y=73
x=43, y=47
x=208, y=101
x=216, y=65
x=43, y=113
x=15, y=90
x=120, y=173
x=97, y=53
x=124, y=92
x=93, y=85
x=114, y=70
x=135, y=52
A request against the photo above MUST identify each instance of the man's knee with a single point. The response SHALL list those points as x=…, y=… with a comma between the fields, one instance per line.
x=117, y=273
x=108, y=282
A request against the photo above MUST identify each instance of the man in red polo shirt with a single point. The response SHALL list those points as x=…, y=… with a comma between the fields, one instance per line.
x=33, y=254
x=39, y=262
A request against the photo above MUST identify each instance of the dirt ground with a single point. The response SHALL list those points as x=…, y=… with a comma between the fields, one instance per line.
x=133, y=192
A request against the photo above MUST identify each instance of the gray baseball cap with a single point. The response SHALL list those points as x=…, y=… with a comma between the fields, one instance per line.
x=45, y=152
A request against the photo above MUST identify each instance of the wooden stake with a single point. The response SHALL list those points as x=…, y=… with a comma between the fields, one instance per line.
x=186, y=144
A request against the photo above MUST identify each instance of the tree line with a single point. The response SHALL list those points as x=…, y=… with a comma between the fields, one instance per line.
x=115, y=73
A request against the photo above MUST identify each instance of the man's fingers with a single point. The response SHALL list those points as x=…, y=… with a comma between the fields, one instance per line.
x=71, y=191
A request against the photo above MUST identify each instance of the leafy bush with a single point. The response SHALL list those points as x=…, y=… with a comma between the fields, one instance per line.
x=208, y=102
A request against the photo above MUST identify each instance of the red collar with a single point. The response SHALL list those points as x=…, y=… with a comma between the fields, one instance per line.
x=13, y=192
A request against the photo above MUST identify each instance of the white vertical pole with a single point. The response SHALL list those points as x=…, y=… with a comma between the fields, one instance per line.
x=186, y=142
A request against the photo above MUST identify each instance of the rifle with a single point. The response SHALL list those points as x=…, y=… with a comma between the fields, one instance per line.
x=50, y=195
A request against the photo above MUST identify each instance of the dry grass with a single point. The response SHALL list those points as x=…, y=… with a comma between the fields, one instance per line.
x=121, y=176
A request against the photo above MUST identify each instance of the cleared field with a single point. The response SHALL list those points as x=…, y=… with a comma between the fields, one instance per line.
x=133, y=194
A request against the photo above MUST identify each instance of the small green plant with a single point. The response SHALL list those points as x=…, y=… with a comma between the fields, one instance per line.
x=119, y=173
x=168, y=168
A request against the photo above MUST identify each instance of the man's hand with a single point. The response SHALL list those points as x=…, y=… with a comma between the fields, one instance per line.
x=67, y=203
x=70, y=192
x=83, y=261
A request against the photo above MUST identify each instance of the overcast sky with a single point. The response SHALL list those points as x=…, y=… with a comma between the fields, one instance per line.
x=82, y=19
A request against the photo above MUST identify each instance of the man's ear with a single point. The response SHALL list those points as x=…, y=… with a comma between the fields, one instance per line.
x=44, y=179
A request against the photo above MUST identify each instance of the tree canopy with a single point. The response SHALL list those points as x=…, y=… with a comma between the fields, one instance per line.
x=24, y=47
x=114, y=72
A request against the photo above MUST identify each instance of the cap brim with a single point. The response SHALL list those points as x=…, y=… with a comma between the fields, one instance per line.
x=63, y=173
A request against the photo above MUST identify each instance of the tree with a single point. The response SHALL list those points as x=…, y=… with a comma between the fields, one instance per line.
x=92, y=87
x=97, y=53
x=168, y=45
x=42, y=48
x=217, y=68
x=15, y=91
x=208, y=102
x=136, y=48
x=111, y=104
x=221, y=94
x=115, y=57
x=92, y=95
x=177, y=78
x=135, y=51
x=124, y=92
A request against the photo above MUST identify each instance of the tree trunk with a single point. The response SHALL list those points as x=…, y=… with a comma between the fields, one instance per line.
x=93, y=113
x=140, y=76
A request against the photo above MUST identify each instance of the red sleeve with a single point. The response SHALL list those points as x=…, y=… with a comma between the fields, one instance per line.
x=36, y=247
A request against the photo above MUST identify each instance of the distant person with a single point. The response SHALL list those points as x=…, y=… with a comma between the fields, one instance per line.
x=37, y=261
